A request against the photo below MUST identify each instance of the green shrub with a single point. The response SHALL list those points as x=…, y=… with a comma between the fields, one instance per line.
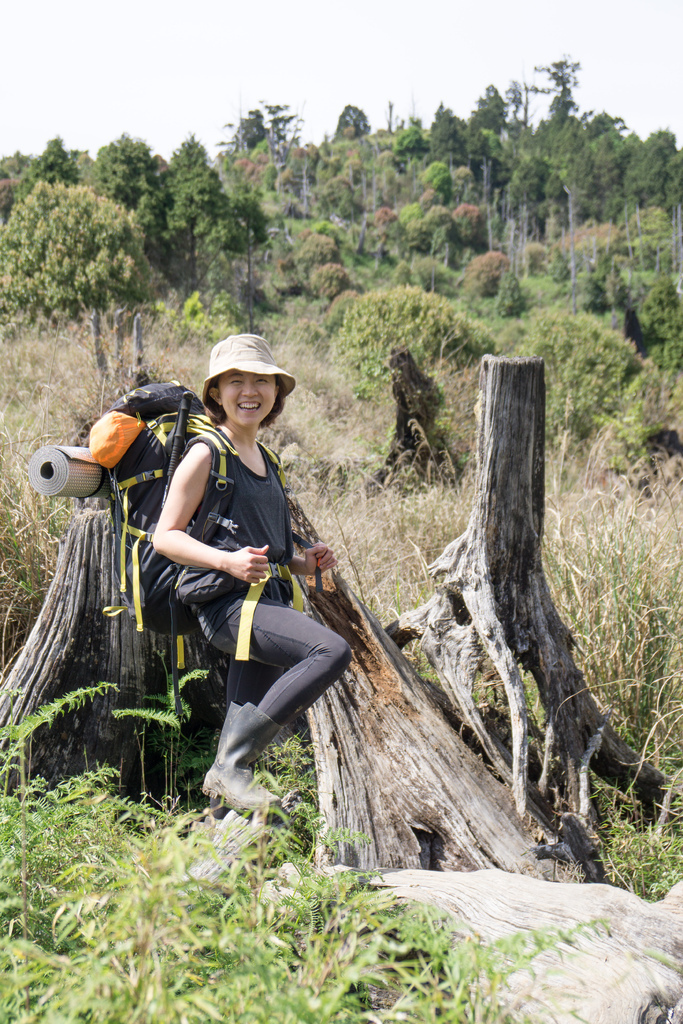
x=410, y=213
x=326, y=227
x=313, y=251
x=439, y=177
x=66, y=249
x=483, y=273
x=426, y=322
x=510, y=299
x=535, y=257
x=330, y=280
x=334, y=317
x=559, y=267
x=588, y=369
x=469, y=223
x=402, y=273
x=269, y=177
x=662, y=323
x=429, y=273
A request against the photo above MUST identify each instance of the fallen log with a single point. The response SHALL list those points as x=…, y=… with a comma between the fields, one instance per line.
x=617, y=959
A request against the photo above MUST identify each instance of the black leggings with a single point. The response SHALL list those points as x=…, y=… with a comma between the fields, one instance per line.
x=293, y=659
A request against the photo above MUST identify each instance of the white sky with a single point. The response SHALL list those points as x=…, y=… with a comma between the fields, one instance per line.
x=90, y=71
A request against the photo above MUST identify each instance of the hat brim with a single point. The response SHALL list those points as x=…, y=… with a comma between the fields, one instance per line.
x=286, y=381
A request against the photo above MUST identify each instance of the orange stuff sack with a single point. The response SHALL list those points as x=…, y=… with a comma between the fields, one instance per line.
x=112, y=436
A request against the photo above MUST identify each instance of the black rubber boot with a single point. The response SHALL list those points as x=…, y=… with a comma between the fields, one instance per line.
x=246, y=734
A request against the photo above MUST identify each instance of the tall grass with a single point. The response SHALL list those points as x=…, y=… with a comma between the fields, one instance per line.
x=615, y=560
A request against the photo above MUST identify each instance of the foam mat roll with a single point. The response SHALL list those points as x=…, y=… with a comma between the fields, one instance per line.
x=57, y=470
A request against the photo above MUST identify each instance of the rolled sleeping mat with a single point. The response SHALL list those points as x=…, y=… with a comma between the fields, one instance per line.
x=59, y=470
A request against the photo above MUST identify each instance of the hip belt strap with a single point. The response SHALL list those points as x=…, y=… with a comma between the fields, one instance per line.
x=253, y=597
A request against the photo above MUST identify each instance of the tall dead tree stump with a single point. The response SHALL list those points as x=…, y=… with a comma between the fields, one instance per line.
x=494, y=604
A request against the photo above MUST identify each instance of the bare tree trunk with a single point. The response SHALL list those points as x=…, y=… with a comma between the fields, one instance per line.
x=137, y=341
x=119, y=331
x=100, y=358
x=572, y=250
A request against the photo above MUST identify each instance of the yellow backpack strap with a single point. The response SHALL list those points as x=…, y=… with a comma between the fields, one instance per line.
x=277, y=462
x=252, y=598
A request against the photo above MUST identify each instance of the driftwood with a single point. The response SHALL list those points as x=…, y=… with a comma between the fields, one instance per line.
x=494, y=603
x=621, y=963
x=73, y=645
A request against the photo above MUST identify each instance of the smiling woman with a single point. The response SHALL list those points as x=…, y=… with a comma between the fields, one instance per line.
x=240, y=585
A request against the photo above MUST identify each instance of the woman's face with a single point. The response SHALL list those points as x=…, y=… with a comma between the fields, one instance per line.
x=247, y=398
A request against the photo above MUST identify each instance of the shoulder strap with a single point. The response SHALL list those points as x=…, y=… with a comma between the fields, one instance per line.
x=277, y=462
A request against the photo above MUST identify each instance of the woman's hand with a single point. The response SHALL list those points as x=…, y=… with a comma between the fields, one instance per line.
x=319, y=556
x=248, y=564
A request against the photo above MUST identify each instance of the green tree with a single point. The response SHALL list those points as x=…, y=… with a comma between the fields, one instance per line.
x=447, y=138
x=7, y=190
x=484, y=129
x=662, y=323
x=352, y=117
x=250, y=223
x=490, y=112
x=563, y=79
x=14, y=166
x=282, y=132
x=648, y=169
x=411, y=143
x=510, y=300
x=249, y=132
x=439, y=178
x=66, y=249
x=126, y=172
x=199, y=218
x=55, y=164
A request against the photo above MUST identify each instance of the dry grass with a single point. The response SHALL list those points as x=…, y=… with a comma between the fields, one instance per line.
x=615, y=561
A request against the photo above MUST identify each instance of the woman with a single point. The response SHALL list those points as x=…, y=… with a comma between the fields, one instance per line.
x=292, y=659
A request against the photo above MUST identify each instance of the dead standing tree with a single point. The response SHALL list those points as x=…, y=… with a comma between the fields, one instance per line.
x=494, y=602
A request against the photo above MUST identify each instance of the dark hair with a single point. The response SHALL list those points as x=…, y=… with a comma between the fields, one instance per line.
x=216, y=412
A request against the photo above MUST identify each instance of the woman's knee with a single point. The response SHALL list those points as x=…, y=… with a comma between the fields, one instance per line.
x=340, y=652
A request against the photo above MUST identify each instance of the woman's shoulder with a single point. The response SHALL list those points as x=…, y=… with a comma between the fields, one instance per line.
x=198, y=453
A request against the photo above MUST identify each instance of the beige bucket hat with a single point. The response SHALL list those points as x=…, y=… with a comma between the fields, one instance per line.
x=245, y=352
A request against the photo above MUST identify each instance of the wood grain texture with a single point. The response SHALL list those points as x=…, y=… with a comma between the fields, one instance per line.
x=623, y=965
x=73, y=645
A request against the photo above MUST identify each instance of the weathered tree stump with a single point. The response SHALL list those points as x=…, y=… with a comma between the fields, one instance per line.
x=622, y=965
x=390, y=757
x=391, y=763
x=417, y=402
x=494, y=602
x=73, y=645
